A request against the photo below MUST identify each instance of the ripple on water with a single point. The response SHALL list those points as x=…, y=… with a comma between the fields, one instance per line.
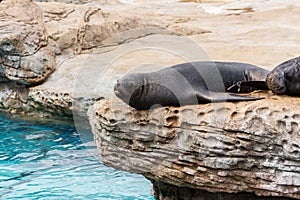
x=49, y=161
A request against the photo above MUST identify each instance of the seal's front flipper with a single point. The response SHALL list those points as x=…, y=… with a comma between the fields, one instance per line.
x=247, y=86
x=223, y=97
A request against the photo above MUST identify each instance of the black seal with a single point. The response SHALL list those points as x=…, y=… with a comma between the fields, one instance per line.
x=191, y=83
x=285, y=78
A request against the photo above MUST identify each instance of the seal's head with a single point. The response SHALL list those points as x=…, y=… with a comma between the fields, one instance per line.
x=285, y=78
x=129, y=88
x=276, y=82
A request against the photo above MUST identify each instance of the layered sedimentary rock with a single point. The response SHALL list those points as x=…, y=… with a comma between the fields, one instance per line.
x=224, y=147
x=24, y=57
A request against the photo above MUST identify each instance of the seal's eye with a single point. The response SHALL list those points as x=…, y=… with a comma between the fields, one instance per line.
x=131, y=84
x=287, y=75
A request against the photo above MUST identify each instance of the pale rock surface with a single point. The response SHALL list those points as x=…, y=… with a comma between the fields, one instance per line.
x=80, y=1
x=37, y=39
x=87, y=38
x=74, y=31
x=55, y=41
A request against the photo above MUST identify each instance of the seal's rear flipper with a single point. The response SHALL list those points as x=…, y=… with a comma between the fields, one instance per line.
x=223, y=97
x=233, y=97
x=248, y=86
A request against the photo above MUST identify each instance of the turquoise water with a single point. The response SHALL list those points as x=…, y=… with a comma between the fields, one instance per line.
x=49, y=161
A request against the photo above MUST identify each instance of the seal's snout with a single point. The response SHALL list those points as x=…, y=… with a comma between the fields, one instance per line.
x=129, y=89
x=117, y=88
x=125, y=87
x=118, y=84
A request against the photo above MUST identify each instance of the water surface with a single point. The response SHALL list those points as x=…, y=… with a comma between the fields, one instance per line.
x=49, y=161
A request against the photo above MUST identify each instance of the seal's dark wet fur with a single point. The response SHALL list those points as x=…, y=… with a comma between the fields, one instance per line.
x=190, y=83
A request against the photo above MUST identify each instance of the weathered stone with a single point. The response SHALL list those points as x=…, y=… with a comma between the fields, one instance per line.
x=166, y=191
x=76, y=28
x=224, y=147
x=13, y=97
x=22, y=28
x=17, y=99
x=30, y=70
x=23, y=57
x=52, y=101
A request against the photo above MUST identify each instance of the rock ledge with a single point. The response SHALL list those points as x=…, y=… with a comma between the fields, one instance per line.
x=225, y=147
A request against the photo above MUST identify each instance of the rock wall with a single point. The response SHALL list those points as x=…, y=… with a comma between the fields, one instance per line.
x=164, y=191
x=224, y=147
x=24, y=57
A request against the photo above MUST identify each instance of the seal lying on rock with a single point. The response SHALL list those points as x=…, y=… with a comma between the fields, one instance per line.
x=191, y=83
x=285, y=78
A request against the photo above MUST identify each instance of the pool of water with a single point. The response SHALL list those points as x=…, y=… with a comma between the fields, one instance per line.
x=50, y=161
